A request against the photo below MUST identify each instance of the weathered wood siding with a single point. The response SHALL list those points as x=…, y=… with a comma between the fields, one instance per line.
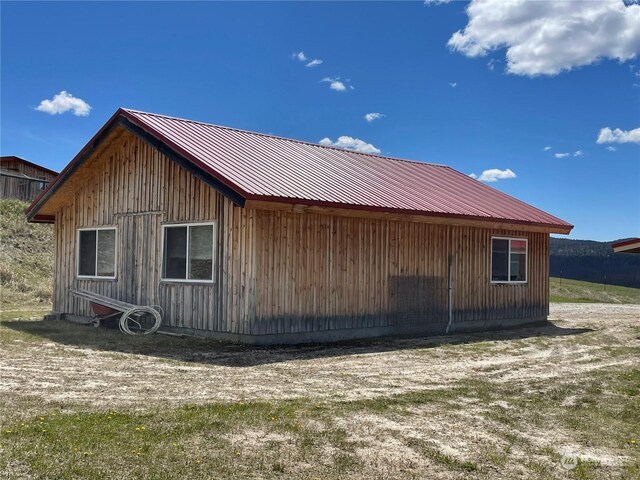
x=25, y=189
x=132, y=186
x=279, y=272
x=317, y=272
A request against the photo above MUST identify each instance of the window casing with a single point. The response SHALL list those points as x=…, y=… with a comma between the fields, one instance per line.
x=509, y=260
x=188, y=252
x=97, y=253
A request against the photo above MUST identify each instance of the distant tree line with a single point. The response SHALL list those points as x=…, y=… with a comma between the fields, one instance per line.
x=593, y=262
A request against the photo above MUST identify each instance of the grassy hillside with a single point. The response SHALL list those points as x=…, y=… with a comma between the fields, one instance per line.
x=566, y=290
x=26, y=259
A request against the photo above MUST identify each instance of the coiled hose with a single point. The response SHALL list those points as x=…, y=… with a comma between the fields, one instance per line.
x=127, y=317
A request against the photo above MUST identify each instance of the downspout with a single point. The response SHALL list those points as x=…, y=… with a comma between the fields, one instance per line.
x=449, y=293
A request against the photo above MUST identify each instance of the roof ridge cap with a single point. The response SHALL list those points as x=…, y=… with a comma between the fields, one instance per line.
x=288, y=139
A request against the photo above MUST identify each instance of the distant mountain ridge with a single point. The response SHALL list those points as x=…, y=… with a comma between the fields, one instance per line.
x=592, y=261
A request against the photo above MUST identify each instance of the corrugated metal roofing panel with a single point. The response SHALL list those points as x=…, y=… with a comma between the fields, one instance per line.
x=265, y=166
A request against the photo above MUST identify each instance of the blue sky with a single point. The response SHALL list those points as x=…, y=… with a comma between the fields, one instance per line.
x=233, y=64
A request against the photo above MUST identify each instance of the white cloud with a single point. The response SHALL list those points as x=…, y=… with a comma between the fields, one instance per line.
x=562, y=155
x=619, y=136
x=370, y=117
x=435, y=2
x=547, y=148
x=336, y=84
x=547, y=37
x=493, y=175
x=350, y=143
x=491, y=64
x=300, y=56
x=578, y=153
x=314, y=63
x=453, y=84
x=63, y=102
x=612, y=149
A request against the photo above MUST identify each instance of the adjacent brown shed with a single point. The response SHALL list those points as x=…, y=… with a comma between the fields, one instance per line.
x=261, y=239
x=21, y=179
x=631, y=245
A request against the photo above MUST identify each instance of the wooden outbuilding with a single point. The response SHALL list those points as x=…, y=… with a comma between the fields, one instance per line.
x=630, y=245
x=260, y=239
x=21, y=179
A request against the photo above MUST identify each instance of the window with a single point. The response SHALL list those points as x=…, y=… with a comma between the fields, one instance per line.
x=508, y=260
x=188, y=252
x=97, y=252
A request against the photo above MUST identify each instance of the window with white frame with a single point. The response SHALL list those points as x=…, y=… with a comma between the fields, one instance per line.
x=97, y=252
x=188, y=252
x=509, y=260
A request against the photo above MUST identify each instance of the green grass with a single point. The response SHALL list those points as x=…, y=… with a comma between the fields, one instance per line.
x=23, y=314
x=206, y=441
x=188, y=442
x=576, y=291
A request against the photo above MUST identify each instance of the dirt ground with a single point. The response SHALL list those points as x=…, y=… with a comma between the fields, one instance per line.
x=508, y=404
x=70, y=373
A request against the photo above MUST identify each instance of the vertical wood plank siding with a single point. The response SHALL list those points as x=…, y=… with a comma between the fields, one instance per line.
x=25, y=189
x=329, y=272
x=135, y=188
x=279, y=272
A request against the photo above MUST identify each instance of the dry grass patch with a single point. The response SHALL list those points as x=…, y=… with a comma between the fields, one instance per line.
x=26, y=259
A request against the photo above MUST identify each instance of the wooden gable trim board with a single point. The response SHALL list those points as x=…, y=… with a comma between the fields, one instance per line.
x=188, y=164
x=119, y=120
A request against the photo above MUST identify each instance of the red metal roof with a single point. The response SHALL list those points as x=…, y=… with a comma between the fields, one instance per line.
x=265, y=167
x=278, y=168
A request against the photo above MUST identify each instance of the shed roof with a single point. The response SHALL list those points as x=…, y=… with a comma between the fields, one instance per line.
x=631, y=245
x=255, y=166
x=12, y=158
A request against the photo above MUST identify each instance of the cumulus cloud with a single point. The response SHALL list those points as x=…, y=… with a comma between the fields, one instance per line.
x=64, y=102
x=370, y=117
x=619, y=136
x=350, y=143
x=336, y=84
x=547, y=148
x=453, y=84
x=493, y=175
x=612, y=149
x=314, y=63
x=545, y=37
x=300, y=56
x=562, y=155
x=578, y=153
